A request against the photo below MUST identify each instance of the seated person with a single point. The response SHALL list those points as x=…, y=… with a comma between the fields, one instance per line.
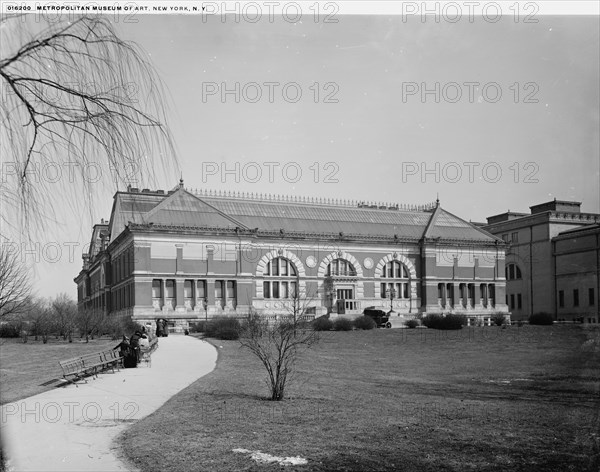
x=123, y=346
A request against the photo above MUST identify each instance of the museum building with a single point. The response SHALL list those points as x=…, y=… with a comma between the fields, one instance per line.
x=187, y=256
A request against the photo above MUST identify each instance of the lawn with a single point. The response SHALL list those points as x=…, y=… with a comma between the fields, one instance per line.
x=480, y=399
x=25, y=366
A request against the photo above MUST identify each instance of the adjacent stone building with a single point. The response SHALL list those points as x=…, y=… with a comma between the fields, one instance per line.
x=552, y=261
x=577, y=269
x=185, y=256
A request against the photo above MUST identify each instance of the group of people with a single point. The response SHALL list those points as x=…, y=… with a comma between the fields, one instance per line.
x=130, y=349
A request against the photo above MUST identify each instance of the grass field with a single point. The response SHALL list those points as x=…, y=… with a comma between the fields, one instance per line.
x=25, y=366
x=479, y=399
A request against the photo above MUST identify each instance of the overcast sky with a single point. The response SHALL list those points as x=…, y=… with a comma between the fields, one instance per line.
x=373, y=135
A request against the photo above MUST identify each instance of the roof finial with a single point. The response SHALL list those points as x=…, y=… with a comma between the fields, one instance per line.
x=181, y=181
x=437, y=200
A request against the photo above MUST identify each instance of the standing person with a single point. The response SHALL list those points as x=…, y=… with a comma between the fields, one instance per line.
x=135, y=345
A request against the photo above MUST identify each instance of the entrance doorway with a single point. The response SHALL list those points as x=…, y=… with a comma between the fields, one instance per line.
x=343, y=294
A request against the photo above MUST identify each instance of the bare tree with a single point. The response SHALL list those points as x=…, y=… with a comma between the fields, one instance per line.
x=278, y=343
x=90, y=321
x=40, y=318
x=15, y=288
x=76, y=100
x=65, y=315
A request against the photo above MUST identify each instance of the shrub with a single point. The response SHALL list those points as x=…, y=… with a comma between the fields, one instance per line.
x=432, y=321
x=342, y=324
x=412, y=323
x=435, y=321
x=541, y=318
x=198, y=327
x=498, y=319
x=226, y=327
x=364, y=322
x=322, y=323
x=10, y=329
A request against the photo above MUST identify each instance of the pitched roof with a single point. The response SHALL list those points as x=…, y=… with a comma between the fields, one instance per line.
x=182, y=208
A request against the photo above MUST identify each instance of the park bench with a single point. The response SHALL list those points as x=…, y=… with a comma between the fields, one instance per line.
x=78, y=368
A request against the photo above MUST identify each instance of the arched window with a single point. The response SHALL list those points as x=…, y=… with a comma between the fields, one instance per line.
x=281, y=279
x=340, y=267
x=513, y=272
x=396, y=275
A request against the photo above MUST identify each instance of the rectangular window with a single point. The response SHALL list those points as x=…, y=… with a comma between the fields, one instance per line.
x=267, y=289
x=157, y=288
x=201, y=288
x=293, y=289
x=561, y=298
x=218, y=289
x=505, y=238
x=514, y=237
x=275, y=288
x=284, y=267
x=519, y=301
x=512, y=301
x=230, y=289
x=275, y=267
x=284, y=290
x=170, y=289
x=591, y=298
x=383, y=288
x=576, y=297
x=405, y=291
x=188, y=289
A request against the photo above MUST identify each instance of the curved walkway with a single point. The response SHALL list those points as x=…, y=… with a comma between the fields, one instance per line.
x=73, y=428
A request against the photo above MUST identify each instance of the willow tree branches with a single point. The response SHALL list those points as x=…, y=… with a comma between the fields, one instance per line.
x=14, y=282
x=80, y=107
